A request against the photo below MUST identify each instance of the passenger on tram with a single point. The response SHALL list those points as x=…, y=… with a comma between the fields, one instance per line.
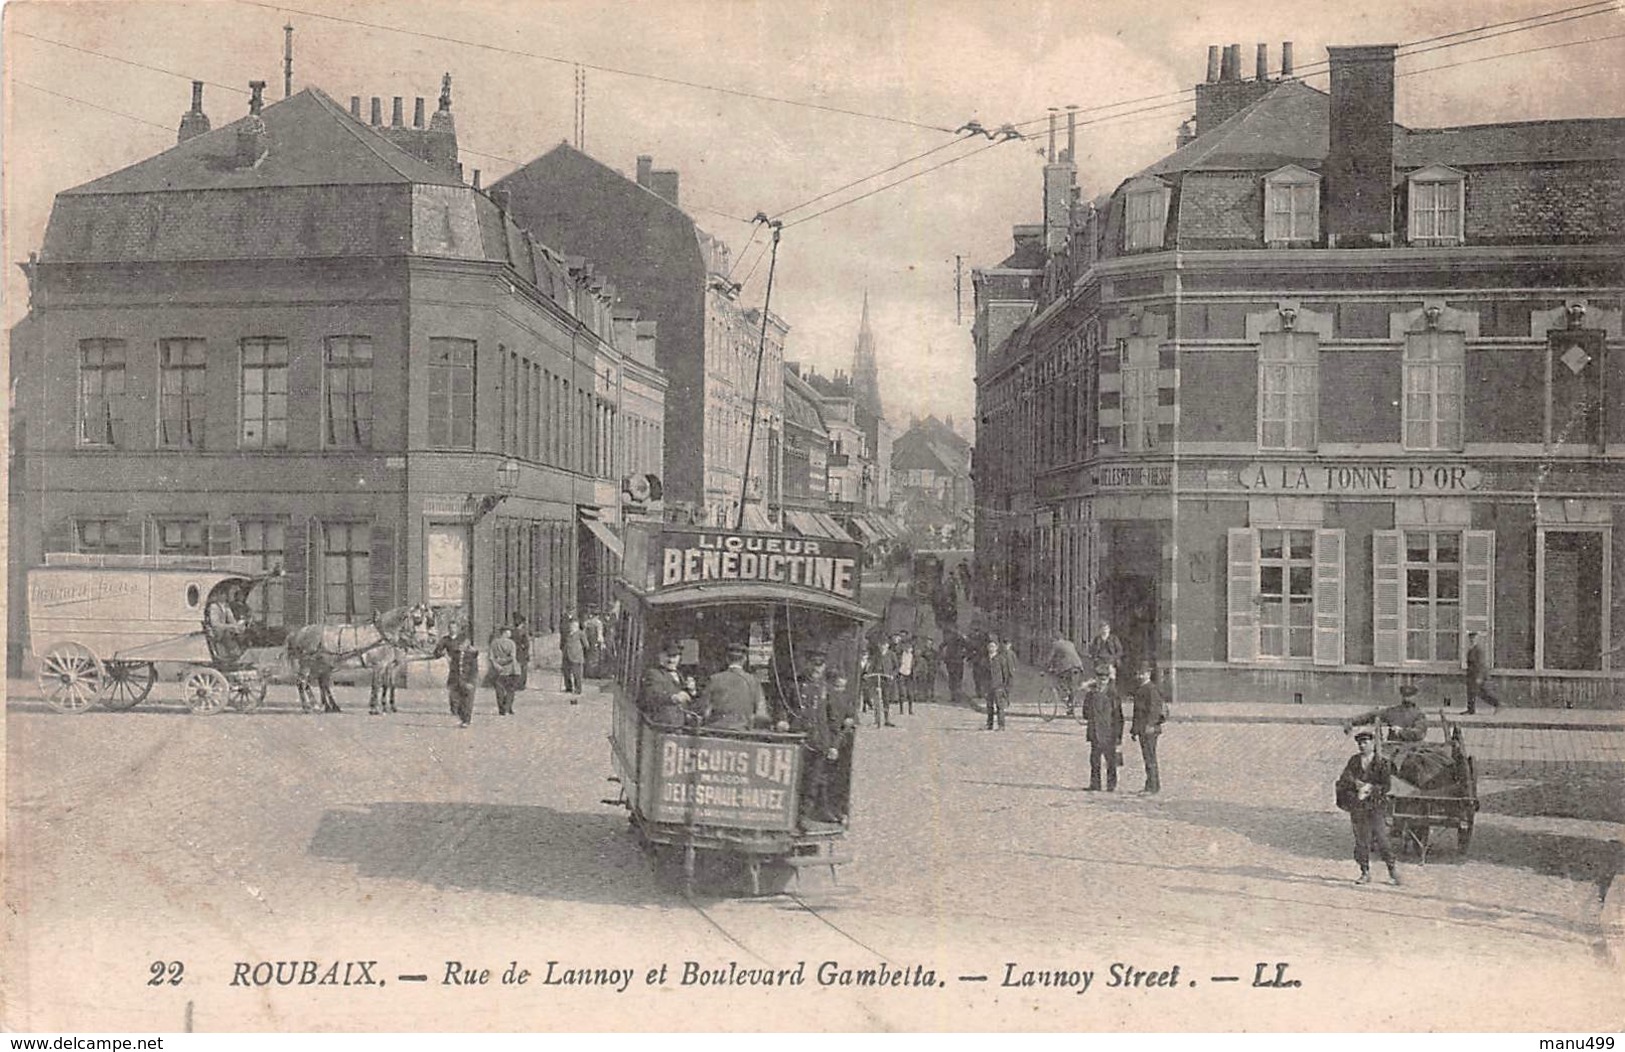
x=733, y=700
x=666, y=697
x=827, y=719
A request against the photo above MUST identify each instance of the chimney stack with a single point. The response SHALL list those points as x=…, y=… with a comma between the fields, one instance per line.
x=664, y=183
x=194, y=121
x=1072, y=134
x=417, y=112
x=646, y=165
x=1263, y=68
x=1053, y=116
x=396, y=113
x=355, y=106
x=1213, y=63
x=377, y=111
x=476, y=178
x=1359, y=171
x=251, y=144
x=1230, y=68
x=1286, y=59
x=287, y=60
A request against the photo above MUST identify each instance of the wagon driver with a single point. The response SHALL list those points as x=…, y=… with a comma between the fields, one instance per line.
x=224, y=625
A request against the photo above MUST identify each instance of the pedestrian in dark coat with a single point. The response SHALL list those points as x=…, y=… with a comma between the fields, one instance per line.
x=573, y=652
x=1107, y=647
x=953, y=664
x=521, y=647
x=1478, y=674
x=1362, y=791
x=1001, y=665
x=825, y=716
x=732, y=698
x=1104, y=712
x=980, y=659
x=1150, y=713
x=462, y=673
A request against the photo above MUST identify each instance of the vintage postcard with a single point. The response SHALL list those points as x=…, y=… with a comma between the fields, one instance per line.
x=814, y=516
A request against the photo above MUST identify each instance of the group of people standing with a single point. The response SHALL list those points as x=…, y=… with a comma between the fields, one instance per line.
x=896, y=671
x=1102, y=702
x=583, y=644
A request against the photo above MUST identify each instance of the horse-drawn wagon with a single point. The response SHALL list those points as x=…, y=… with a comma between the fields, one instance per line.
x=99, y=626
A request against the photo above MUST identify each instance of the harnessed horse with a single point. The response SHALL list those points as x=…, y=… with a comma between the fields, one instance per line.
x=381, y=647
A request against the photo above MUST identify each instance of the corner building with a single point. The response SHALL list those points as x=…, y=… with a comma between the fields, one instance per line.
x=299, y=338
x=1316, y=395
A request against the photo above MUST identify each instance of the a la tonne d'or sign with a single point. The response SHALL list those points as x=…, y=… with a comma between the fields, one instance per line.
x=1398, y=478
x=692, y=558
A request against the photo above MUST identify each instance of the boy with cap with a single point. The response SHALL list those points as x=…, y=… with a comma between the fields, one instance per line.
x=1362, y=791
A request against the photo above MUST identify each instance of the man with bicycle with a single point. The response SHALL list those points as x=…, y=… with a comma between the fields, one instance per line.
x=1067, y=668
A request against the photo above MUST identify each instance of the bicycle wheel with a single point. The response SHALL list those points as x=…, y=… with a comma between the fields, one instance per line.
x=1077, y=712
x=1049, y=702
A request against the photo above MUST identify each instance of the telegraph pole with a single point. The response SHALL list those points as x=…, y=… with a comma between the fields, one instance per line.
x=761, y=350
x=287, y=60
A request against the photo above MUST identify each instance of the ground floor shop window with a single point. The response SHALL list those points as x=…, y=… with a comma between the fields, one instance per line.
x=1430, y=588
x=446, y=569
x=1285, y=595
x=265, y=541
x=347, y=571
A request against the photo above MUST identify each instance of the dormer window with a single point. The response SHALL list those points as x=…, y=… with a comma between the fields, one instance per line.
x=1291, y=207
x=1146, y=212
x=1437, y=195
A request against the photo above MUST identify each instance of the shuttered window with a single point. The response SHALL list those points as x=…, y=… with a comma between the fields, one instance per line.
x=1429, y=589
x=1147, y=215
x=1285, y=599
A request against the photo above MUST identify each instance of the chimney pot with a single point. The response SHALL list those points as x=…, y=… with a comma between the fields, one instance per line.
x=1072, y=134
x=417, y=112
x=1286, y=59
x=256, y=101
x=1231, y=70
x=646, y=165
x=355, y=106
x=1053, y=116
x=377, y=111
x=194, y=121
x=396, y=113
x=1263, y=69
x=1212, y=63
x=476, y=178
x=197, y=96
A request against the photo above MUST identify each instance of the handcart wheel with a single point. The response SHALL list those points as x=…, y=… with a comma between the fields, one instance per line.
x=127, y=684
x=1049, y=702
x=206, y=691
x=70, y=677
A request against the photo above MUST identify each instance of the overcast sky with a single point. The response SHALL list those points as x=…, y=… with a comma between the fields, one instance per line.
x=935, y=62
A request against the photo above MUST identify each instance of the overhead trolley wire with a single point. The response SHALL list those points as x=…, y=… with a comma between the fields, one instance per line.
x=559, y=59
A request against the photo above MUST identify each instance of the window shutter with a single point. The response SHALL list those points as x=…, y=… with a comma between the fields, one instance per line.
x=1387, y=599
x=1329, y=597
x=296, y=573
x=1243, y=595
x=1478, y=588
x=222, y=537
x=381, y=563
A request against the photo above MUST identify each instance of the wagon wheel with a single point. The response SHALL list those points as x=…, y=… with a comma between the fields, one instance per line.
x=70, y=677
x=127, y=684
x=247, y=693
x=1049, y=702
x=206, y=691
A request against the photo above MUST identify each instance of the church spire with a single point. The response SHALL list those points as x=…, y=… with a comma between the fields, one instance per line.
x=865, y=370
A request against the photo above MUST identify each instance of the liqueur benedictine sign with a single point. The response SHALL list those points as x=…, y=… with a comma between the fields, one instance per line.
x=684, y=558
x=1403, y=479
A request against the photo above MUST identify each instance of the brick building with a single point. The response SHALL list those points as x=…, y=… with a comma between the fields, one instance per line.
x=676, y=274
x=1315, y=395
x=302, y=337
x=931, y=486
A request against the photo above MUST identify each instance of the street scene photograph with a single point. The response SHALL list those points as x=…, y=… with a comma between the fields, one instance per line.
x=814, y=517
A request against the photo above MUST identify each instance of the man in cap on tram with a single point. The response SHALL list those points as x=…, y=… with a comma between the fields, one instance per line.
x=827, y=719
x=733, y=700
x=665, y=696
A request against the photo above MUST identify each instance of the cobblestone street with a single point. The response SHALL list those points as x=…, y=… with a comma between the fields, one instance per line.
x=157, y=835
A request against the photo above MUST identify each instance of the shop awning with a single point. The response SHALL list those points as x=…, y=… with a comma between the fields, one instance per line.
x=803, y=523
x=832, y=529
x=870, y=534
x=756, y=519
x=605, y=535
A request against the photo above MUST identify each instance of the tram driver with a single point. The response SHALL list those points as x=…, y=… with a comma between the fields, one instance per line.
x=733, y=700
x=667, y=697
